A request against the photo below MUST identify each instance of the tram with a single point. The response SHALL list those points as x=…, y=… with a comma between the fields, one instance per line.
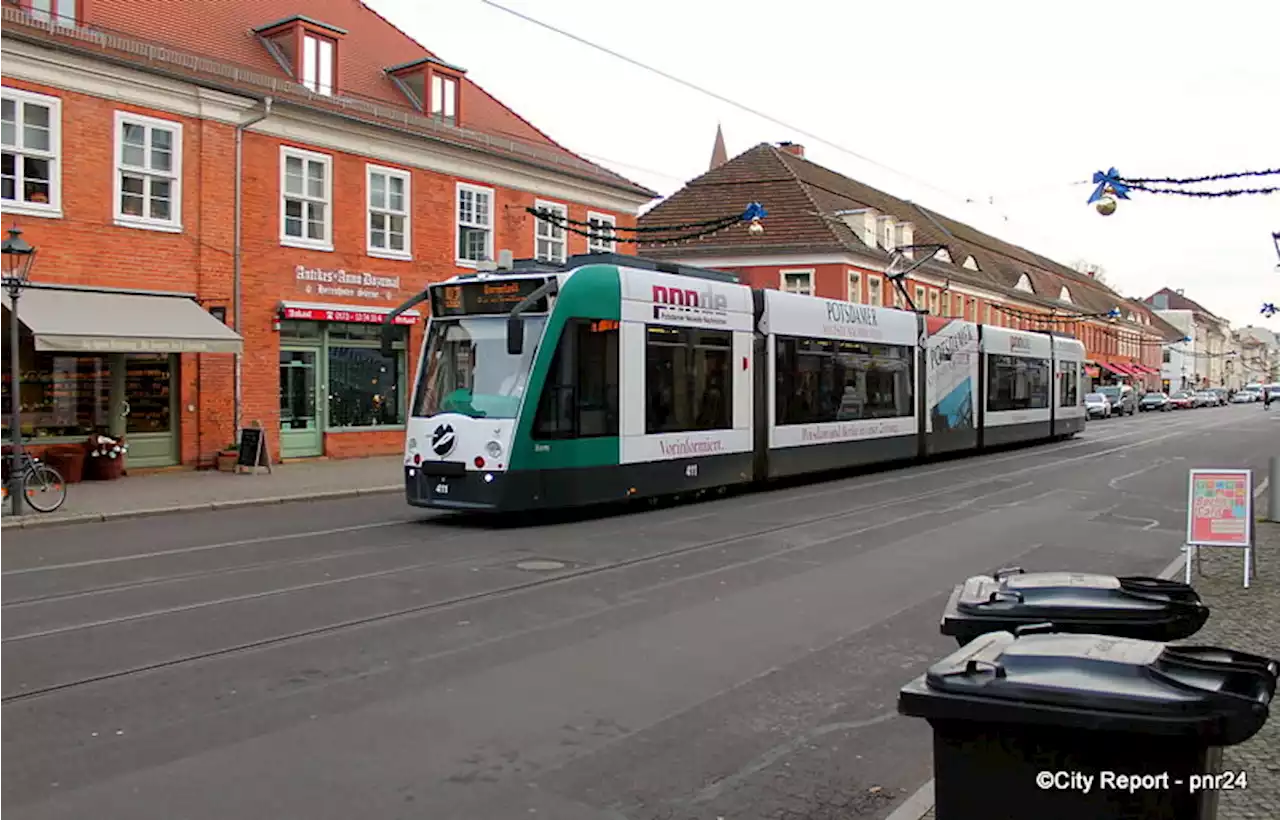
x=612, y=377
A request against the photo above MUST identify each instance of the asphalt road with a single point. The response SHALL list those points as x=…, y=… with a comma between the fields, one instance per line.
x=735, y=658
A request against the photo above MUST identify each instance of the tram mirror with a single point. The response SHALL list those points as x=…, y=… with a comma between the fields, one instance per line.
x=515, y=335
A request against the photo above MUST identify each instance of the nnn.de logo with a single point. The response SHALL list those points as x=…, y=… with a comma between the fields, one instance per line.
x=688, y=300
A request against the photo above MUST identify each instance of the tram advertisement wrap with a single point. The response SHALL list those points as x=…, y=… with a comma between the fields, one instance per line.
x=951, y=373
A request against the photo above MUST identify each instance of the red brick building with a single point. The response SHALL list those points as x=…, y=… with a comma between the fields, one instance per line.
x=832, y=236
x=206, y=178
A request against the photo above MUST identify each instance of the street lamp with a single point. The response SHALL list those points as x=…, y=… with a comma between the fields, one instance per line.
x=18, y=259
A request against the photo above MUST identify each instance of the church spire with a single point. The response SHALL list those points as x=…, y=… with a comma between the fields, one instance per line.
x=719, y=156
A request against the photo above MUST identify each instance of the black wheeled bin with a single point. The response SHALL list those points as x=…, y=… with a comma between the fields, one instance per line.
x=1124, y=728
x=1152, y=609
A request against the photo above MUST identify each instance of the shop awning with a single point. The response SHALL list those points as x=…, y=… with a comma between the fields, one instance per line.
x=81, y=321
x=1113, y=368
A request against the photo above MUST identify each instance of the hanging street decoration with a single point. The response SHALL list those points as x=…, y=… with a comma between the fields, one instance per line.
x=1112, y=187
x=752, y=215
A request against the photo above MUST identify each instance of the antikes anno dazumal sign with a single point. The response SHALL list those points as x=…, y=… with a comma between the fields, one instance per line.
x=320, y=282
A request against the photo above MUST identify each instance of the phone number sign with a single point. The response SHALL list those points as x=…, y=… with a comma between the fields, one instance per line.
x=360, y=316
x=1220, y=508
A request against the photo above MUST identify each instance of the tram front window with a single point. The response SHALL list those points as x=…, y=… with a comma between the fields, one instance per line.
x=467, y=368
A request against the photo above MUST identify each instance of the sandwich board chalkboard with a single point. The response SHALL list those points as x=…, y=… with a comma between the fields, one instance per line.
x=253, y=449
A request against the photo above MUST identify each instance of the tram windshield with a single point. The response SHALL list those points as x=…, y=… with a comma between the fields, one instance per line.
x=467, y=368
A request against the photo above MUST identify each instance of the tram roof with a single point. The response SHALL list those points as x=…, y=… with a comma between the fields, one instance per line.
x=622, y=260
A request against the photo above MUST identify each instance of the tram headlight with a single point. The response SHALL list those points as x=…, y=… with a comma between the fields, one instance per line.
x=494, y=449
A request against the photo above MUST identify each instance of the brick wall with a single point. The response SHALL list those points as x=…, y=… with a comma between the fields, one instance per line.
x=85, y=247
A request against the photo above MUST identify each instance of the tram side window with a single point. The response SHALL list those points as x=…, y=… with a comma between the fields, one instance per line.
x=1016, y=383
x=1068, y=384
x=688, y=380
x=580, y=397
x=822, y=380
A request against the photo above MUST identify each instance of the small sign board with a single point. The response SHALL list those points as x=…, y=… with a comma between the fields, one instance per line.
x=253, y=449
x=1220, y=513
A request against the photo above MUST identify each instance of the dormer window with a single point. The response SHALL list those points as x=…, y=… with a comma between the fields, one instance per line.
x=1024, y=284
x=307, y=49
x=432, y=86
x=942, y=256
x=970, y=264
x=1064, y=295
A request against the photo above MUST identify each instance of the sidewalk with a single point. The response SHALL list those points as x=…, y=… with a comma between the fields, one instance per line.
x=159, y=493
x=1247, y=620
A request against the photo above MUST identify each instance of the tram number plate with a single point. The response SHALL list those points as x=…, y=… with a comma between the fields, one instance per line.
x=691, y=471
x=442, y=488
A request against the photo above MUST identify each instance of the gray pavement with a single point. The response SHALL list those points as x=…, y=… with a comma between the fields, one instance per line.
x=190, y=491
x=738, y=658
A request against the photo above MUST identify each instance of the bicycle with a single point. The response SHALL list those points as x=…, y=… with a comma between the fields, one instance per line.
x=38, y=478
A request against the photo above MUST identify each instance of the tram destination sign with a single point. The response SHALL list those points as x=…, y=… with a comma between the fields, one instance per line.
x=481, y=298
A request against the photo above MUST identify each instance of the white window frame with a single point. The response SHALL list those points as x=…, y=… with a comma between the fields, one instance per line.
x=459, y=224
x=407, y=178
x=443, y=95
x=853, y=286
x=920, y=297
x=554, y=235
x=935, y=303
x=53, y=208
x=314, y=64
x=875, y=291
x=174, y=174
x=594, y=243
x=806, y=272
x=325, y=244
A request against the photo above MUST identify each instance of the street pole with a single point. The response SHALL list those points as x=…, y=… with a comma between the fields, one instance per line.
x=1273, y=497
x=17, y=492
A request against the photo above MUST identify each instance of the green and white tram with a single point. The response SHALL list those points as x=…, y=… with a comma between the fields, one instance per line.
x=613, y=377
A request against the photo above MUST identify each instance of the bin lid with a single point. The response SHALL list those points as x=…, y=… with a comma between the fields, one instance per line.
x=1068, y=596
x=1101, y=682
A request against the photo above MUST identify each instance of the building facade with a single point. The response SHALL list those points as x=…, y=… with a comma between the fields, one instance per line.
x=1202, y=360
x=831, y=236
x=295, y=182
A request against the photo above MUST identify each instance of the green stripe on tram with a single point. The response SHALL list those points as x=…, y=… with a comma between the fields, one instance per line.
x=591, y=292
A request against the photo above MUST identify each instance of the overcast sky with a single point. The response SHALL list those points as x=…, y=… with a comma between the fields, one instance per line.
x=1002, y=102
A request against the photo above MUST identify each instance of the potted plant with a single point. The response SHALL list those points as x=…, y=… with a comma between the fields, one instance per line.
x=227, y=458
x=106, y=458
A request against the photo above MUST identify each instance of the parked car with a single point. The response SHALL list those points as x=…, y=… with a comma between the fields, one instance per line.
x=1097, y=406
x=1123, y=399
x=1243, y=397
x=1205, y=399
x=1182, y=400
x=1221, y=393
x=1154, y=401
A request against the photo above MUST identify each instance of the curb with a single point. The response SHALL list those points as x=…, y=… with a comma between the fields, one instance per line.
x=920, y=803
x=35, y=520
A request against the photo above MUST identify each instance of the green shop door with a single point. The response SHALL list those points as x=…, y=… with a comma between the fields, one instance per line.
x=300, y=432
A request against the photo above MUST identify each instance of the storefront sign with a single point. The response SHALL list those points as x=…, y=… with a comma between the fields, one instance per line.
x=368, y=317
x=1220, y=508
x=340, y=282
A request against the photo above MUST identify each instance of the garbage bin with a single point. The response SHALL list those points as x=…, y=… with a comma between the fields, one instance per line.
x=1124, y=728
x=1152, y=609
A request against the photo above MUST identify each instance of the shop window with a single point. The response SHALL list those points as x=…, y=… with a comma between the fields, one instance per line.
x=389, y=204
x=688, y=380
x=365, y=386
x=306, y=187
x=30, y=153
x=148, y=388
x=823, y=380
x=1016, y=383
x=549, y=237
x=296, y=329
x=603, y=237
x=475, y=224
x=1068, y=384
x=580, y=398
x=148, y=172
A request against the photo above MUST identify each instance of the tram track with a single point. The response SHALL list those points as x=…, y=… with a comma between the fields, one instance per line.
x=566, y=576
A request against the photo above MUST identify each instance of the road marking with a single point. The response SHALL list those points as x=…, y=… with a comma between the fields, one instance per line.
x=204, y=547
x=1158, y=462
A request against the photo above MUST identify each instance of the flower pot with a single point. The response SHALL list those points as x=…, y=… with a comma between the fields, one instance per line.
x=67, y=459
x=102, y=468
x=227, y=461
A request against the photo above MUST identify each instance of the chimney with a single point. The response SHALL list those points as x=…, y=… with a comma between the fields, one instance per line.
x=1181, y=292
x=795, y=149
x=1091, y=273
